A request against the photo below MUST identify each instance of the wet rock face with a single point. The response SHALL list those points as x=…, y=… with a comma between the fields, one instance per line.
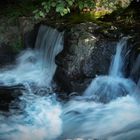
x=15, y=36
x=7, y=55
x=9, y=95
x=88, y=51
x=134, y=62
x=28, y=29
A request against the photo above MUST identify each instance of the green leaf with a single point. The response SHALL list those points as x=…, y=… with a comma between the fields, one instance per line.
x=53, y=4
x=61, y=13
x=70, y=2
x=81, y=6
x=43, y=3
x=41, y=14
x=57, y=9
x=47, y=10
x=68, y=9
x=86, y=5
x=35, y=11
x=65, y=11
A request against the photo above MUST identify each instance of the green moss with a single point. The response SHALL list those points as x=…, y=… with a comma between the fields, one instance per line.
x=78, y=18
x=75, y=18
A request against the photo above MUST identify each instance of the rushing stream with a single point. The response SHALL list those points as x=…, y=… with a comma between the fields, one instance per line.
x=109, y=109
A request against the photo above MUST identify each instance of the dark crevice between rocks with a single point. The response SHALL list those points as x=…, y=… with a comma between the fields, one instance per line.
x=9, y=97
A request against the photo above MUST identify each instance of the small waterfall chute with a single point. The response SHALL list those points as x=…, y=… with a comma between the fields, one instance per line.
x=38, y=65
x=118, y=60
x=49, y=43
x=107, y=88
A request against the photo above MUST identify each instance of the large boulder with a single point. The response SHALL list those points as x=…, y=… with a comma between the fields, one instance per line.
x=88, y=51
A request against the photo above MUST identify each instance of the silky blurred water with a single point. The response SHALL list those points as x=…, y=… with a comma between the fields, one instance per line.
x=108, y=110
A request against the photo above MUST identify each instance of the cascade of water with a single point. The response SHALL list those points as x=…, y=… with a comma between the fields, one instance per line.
x=106, y=88
x=90, y=120
x=44, y=118
x=49, y=43
x=36, y=66
x=117, y=120
x=117, y=63
x=39, y=121
x=40, y=118
x=137, y=91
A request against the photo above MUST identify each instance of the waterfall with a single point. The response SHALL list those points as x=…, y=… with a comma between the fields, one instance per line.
x=36, y=66
x=49, y=43
x=107, y=110
x=39, y=115
x=109, y=87
x=117, y=63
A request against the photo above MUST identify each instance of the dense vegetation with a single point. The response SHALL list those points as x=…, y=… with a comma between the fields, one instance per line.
x=64, y=7
x=42, y=8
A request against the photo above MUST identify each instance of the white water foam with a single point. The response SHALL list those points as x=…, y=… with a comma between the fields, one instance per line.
x=46, y=118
